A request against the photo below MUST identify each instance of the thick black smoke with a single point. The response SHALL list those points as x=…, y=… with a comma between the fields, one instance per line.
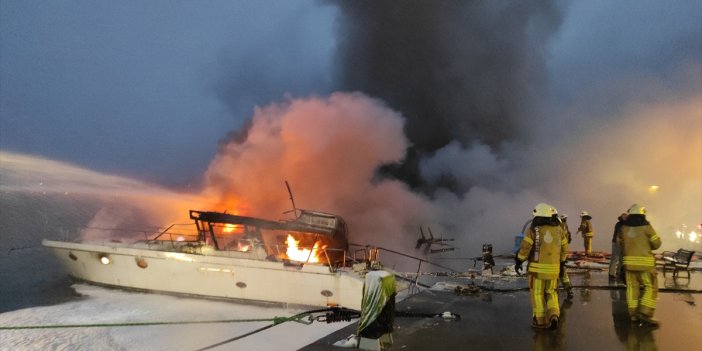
x=457, y=70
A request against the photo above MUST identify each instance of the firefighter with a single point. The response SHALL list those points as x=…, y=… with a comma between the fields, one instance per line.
x=638, y=239
x=565, y=280
x=587, y=231
x=564, y=223
x=615, y=261
x=545, y=245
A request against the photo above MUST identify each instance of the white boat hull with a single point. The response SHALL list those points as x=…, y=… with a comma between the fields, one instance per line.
x=211, y=276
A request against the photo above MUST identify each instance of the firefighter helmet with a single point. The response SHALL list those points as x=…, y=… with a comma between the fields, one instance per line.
x=637, y=209
x=544, y=210
x=584, y=213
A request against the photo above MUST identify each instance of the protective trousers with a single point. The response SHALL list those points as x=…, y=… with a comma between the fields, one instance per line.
x=544, y=300
x=588, y=244
x=565, y=279
x=641, y=303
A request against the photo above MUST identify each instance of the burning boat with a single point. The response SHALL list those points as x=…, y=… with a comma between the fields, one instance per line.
x=303, y=261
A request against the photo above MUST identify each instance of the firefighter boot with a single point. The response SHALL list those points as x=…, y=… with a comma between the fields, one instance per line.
x=633, y=320
x=537, y=325
x=553, y=323
x=646, y=321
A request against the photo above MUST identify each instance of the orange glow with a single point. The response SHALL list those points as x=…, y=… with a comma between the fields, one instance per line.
x=242, y=247
x=228, y=228
x=302, y=255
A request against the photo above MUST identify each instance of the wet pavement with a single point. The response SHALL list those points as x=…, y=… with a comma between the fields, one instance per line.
x=498, y=317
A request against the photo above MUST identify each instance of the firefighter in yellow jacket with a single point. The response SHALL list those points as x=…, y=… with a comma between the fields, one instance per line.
x=545, y=245
x=637, y=239
x=588, y=232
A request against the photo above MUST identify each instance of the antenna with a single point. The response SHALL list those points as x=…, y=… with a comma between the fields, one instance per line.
x=294, y=210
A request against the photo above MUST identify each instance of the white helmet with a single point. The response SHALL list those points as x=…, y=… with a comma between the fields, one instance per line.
x=584, y=213
x=637, y=209
x=544, y=210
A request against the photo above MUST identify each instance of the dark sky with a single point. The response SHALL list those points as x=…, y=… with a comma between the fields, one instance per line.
x=150, y=89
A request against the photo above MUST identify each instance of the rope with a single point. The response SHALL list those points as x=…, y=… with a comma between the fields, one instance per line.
x=133, y=324
x=237, y=337
x=278, y=320
x=299, y=316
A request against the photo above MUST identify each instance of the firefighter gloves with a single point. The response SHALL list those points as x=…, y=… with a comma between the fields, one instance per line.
x=517, y=265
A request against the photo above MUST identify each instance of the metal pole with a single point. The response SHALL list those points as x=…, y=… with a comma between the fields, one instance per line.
x=416, y=278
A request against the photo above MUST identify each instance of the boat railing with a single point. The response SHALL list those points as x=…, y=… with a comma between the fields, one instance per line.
x=95, y=234
x=371, y=255
x=173, y=238
x=174, y=229
x=176, y=238
x=254, y=248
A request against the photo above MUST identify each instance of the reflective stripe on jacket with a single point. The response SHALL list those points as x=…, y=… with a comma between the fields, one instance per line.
x=637, y=243
x=546, y=247
x=586, y=228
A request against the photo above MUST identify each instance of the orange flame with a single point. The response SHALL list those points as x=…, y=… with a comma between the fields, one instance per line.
x=302, y=255
x=228, y=228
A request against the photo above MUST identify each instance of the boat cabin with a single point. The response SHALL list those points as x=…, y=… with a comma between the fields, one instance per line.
x=313, y=237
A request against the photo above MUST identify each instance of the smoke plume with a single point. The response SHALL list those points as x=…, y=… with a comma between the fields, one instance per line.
x=455, y=96
x=329, y=150
x=465, y=71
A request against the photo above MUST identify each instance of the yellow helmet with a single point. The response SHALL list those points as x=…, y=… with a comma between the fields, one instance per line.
x=544, y=210
x=637, y=209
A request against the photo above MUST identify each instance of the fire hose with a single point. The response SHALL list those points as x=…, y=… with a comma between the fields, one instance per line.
x=335, y=314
